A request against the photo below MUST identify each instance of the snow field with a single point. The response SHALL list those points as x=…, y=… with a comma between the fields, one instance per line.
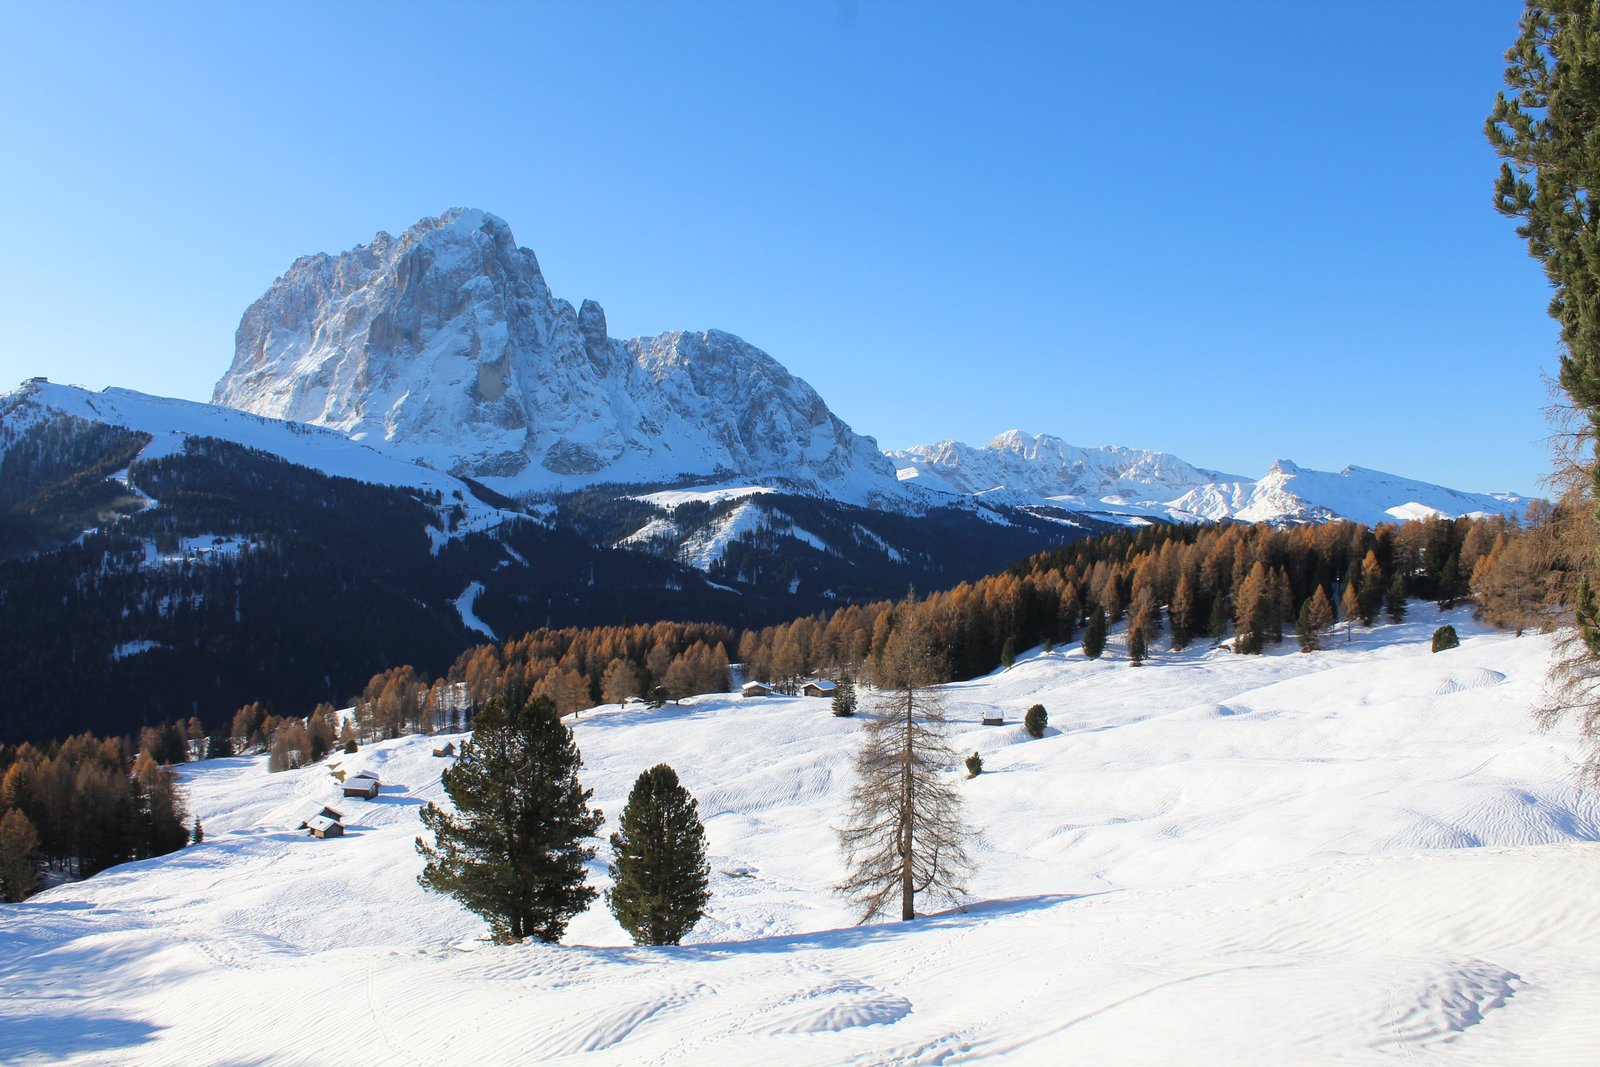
x=1362, y=855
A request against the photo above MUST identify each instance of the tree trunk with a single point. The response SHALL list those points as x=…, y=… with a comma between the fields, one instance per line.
x=908, y=892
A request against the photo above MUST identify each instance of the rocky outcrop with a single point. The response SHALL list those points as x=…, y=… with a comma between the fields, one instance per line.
x=446, y=344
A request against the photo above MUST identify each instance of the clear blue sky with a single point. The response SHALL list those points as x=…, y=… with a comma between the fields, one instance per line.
x=1232, y=231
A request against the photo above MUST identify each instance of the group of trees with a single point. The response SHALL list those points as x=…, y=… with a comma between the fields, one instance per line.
x=515, y=847
x=83, y=805
x=1186, y=583
x=578, y=667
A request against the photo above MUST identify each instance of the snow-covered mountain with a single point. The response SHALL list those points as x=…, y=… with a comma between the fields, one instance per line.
x=170, y=423
x=446, y=345
x=1024, y=469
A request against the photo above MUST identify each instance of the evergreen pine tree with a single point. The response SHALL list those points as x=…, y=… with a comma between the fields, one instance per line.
x=1316, y=615
x=660, y=867
x=1094, y=634
x=1450, y=581
x=974, y=764
x=1008, y=652
x=1136, y=646
x=513, y=849
x=198, y=835
x=1544, y=130
x=1303, y=631
x=844, y=696
x=1217, y=625
x=1036, y=720
x=1395, y=598
x=1445, y=637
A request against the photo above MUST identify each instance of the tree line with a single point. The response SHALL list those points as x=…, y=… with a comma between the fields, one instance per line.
x=1173, y=585
x=76, y=807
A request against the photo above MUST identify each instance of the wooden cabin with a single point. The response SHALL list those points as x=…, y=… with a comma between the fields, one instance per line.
x=449, y=749
x=364, y=785
x=819, y=688
x=319, y=811
x=324, y=827
x=756, y=689
x=997, y=718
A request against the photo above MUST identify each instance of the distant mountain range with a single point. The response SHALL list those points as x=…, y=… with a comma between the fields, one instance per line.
x=418, y=445
x=1128, y=484
x=445, y=346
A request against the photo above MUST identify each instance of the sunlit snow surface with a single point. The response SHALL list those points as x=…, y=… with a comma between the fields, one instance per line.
x=1363, y=855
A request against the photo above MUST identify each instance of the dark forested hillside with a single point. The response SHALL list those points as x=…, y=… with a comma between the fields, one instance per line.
x=139, y=591
x=55, y=481
x=255, y=579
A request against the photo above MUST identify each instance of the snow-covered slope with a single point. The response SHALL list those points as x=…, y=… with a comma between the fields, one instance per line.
x=170, y=422
x=1023, y=469
x=446, y=344
x=1361, y=855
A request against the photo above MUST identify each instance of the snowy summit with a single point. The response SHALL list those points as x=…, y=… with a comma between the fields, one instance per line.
x=446, y=345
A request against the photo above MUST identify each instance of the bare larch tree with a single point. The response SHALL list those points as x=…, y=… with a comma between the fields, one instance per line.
x=903, y=832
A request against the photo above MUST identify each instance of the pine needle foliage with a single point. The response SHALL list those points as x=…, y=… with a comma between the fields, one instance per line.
x=660, y=868
x=1543, y=128
x=844, y=696
x=1036, y=720
x=513, y=849
x=1094, y=634
x=1445, y=638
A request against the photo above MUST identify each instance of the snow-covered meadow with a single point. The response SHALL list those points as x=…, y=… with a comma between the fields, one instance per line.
x=1365, y=854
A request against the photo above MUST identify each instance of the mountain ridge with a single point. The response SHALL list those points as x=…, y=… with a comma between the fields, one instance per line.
x=447, y=345
x=1041, y=470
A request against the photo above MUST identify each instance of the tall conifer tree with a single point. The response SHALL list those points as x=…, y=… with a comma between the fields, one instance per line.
x=1544, y=131
x=660, y=867
x=513, y=849
x=1094, y=634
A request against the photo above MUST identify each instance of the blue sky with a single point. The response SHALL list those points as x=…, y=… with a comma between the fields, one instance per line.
x=1232, y=231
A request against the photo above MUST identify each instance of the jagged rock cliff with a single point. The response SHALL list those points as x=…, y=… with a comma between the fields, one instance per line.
x=447, y=345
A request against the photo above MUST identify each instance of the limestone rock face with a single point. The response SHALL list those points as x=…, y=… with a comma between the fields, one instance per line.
x=446, y=345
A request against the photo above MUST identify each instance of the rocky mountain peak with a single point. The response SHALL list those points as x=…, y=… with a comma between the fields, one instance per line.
x=446, y=344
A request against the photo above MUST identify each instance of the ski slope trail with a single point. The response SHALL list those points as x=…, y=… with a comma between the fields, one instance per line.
x=1361, y=855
